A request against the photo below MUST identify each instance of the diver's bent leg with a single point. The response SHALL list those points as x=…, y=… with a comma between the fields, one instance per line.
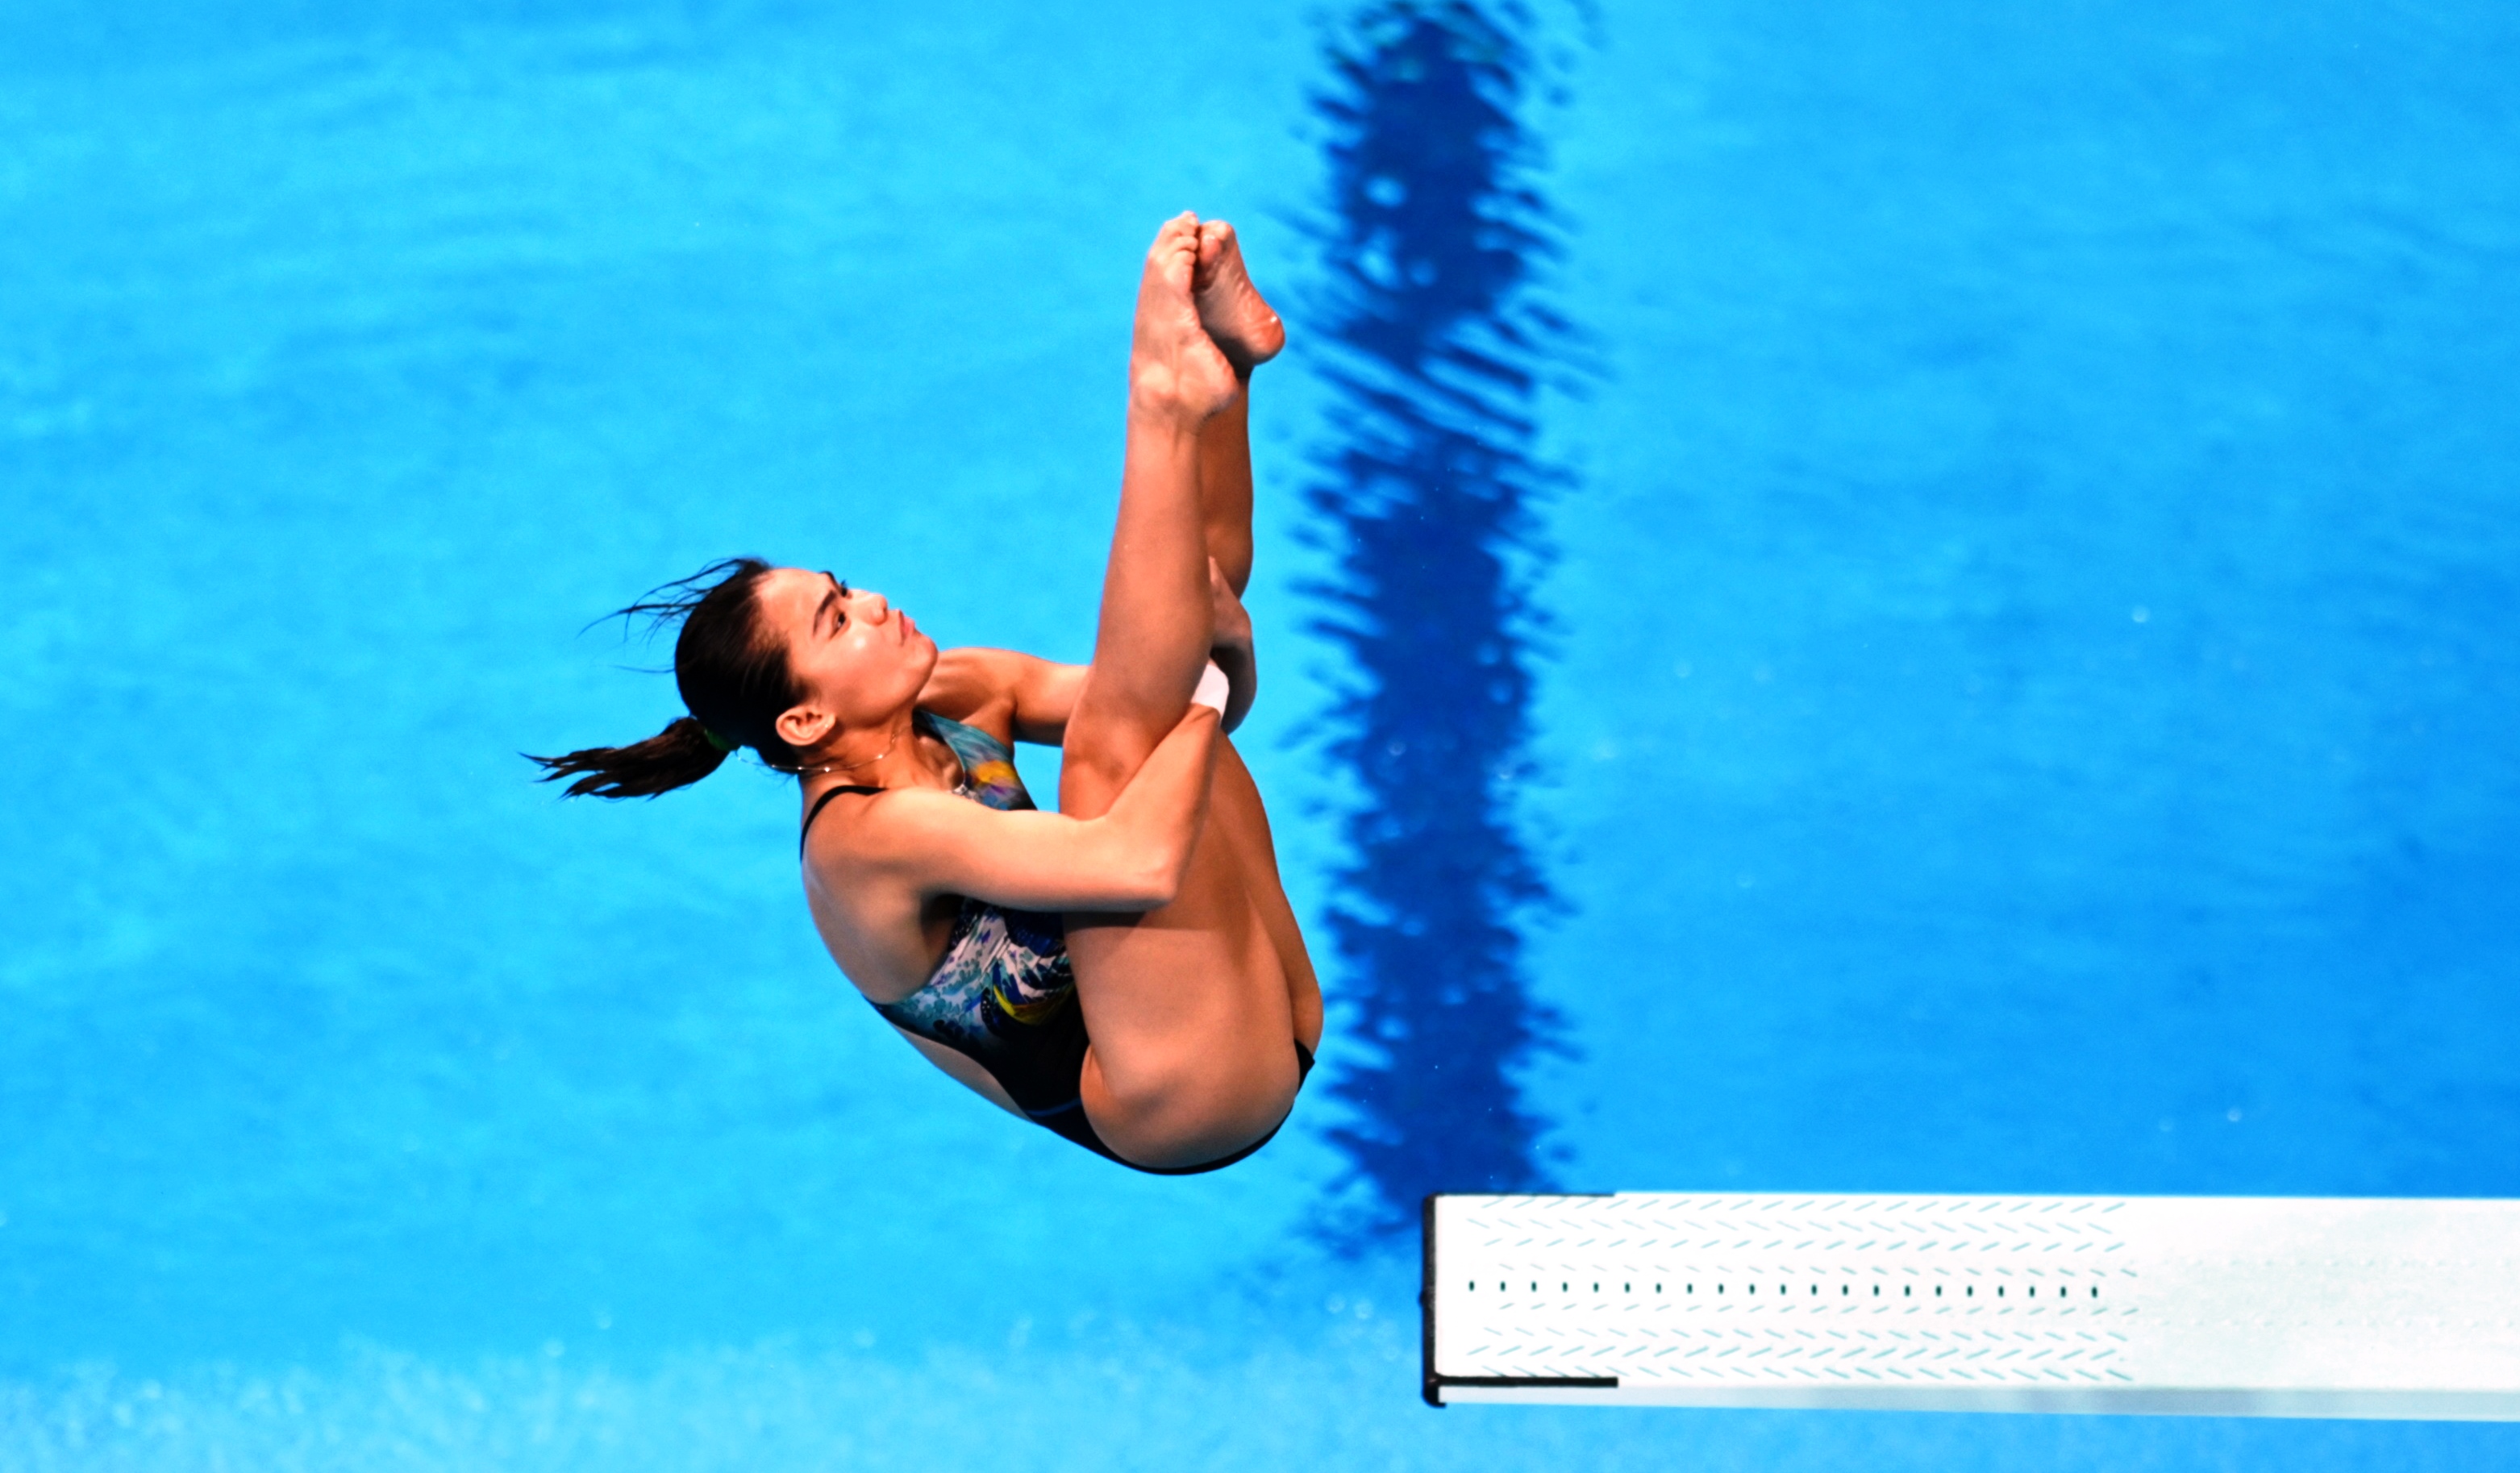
x=1246, y=329
x=1224, y=502
x=1235, y=812
x=1191, y=1008
x=1152, y=639
x=1225, y=489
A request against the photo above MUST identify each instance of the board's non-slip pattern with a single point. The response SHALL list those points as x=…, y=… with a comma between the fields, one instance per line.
x=1764, y=1290
x=2233, y=1305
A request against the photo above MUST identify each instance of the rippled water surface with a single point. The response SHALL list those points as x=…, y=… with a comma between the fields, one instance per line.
x=1853, y=596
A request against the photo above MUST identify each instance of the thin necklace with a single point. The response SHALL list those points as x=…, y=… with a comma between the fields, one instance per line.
x=850, y=767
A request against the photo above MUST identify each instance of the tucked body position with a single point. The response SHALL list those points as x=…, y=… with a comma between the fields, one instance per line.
x=1125, y=971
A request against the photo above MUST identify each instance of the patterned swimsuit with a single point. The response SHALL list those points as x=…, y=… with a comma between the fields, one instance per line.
x=1004, y=995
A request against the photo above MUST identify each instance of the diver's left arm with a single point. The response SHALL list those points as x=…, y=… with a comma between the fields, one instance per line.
x=1001, y=689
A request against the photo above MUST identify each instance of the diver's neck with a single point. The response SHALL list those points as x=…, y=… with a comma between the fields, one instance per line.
x=907, y=757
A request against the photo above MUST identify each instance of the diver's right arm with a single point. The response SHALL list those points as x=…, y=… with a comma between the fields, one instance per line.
x=1130, y=859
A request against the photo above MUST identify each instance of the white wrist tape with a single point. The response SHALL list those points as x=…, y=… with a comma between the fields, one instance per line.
x=1212, y=688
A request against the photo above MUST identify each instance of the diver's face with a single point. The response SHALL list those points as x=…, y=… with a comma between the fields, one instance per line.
x=857, y=661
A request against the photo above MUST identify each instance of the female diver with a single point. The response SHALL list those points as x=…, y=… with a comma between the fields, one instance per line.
x=1126, y=971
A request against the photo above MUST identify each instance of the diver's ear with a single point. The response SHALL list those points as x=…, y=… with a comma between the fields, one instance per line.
x=804, y=727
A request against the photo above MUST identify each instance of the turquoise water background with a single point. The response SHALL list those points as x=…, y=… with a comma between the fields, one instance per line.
x=2024, y=697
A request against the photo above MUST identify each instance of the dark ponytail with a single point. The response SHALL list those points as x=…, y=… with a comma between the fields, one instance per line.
x=734, y=679
x=678, y=755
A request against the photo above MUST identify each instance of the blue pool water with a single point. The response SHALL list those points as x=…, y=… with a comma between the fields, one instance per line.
x=1853, y=597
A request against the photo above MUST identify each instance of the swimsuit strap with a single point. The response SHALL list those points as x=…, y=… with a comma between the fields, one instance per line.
x=822, y=803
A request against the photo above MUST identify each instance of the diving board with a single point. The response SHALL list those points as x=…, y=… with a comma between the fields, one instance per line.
x=2215, y=1306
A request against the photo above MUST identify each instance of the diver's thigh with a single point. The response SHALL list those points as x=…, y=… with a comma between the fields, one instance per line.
x=1188, y=1012
x=1238, y=815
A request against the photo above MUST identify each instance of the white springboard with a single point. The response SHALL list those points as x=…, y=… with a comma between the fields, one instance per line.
x=2212, y=1306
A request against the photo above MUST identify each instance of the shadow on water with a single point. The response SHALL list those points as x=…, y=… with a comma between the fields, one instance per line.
x=1427, y=497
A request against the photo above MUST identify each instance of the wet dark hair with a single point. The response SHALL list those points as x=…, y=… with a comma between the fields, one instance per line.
x=735, y=681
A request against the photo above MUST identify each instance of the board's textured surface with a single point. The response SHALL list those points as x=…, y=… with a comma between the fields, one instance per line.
x=2304, y=1306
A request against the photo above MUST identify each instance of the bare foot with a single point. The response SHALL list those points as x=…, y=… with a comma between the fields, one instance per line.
x=1231, y=651
x=1174, y=368
x=1230, y=307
